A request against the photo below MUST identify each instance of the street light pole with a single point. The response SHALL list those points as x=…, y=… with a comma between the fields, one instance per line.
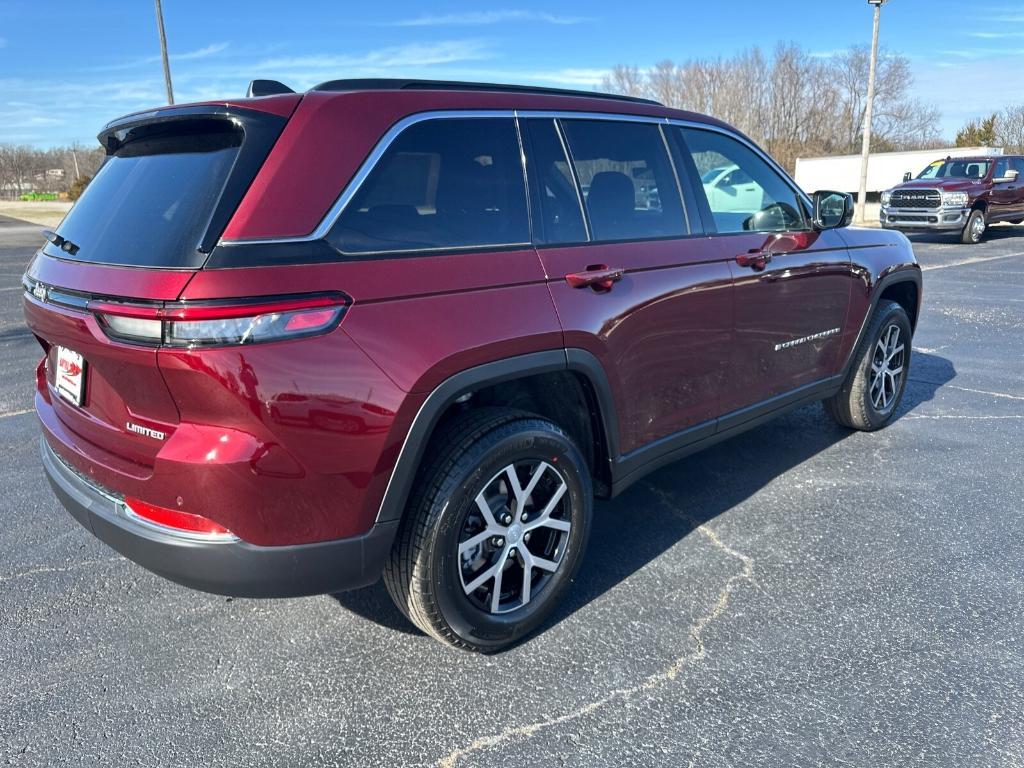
x=163, y=51
x=865, y=147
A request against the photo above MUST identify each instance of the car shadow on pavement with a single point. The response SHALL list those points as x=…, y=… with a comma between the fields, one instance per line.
x=638, y=526
x=997, y=232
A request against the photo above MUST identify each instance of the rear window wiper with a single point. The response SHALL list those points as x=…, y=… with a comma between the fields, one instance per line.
x=61, y=242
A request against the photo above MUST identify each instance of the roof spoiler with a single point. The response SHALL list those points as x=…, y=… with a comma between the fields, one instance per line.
x=266, y=88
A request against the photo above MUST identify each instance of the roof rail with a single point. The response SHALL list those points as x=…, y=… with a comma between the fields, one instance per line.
x=394, y=84
x=266, y=88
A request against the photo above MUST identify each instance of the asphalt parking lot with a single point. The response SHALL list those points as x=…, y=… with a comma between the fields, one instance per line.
x=797, y=596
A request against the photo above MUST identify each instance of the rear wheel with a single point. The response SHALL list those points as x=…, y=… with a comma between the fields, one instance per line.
x=495, y=531
x=874, y=386
x=974, y=230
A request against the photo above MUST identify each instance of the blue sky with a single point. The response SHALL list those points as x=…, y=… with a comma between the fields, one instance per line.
x=67, y=67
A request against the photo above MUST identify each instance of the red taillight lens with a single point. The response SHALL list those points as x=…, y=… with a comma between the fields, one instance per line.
x=221, y=324
x=176, y=519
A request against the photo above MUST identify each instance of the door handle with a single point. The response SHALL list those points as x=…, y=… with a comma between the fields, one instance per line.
x=600, y=277
x=755, y=258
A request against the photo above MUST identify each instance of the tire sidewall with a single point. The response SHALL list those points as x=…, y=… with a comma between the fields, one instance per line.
x=969, y=236
x=495, y=451
x=895, y=315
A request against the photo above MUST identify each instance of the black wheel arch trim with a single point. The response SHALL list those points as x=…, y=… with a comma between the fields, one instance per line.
x=905, y=273
x=445, y=394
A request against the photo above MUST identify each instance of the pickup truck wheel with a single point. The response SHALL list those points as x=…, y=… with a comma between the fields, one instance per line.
x=495, y=532
x=877, y=379
x=974, y=230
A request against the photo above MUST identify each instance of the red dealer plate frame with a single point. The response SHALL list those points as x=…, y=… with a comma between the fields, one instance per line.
x=69, y=377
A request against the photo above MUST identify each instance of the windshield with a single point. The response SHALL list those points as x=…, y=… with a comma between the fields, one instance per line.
x=956, y=169
x=152, y=200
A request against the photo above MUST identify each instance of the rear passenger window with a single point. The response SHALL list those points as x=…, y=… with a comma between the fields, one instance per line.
x=743, y=192
x=626, y=178
x=444, y=183
x=557, y=216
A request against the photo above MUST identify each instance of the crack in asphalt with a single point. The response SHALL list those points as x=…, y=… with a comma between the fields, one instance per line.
x=648, y=683
x=58, y=569
x=22, y=412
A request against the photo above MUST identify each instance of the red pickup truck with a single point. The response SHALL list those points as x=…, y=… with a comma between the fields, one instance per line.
x=958, y=194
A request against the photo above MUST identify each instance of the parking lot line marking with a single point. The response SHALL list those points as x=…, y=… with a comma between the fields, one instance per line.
x=975, y=260
x=966, y=389
x=16, y=413
x=961, y=416
x=986, y=392
x=651, y=681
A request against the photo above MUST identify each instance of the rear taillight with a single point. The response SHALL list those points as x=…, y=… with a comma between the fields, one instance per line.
x=176, y=520
x=221, y=324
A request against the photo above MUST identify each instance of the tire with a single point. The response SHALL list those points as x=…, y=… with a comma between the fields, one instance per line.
x=974, y=229
x=445, y=544
x=863, y=402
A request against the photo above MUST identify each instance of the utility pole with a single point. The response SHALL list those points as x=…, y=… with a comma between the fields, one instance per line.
x=163, y=52
x=865, y=148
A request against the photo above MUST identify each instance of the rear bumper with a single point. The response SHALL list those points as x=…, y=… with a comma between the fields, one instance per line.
x=225, y=567
x=925, y=220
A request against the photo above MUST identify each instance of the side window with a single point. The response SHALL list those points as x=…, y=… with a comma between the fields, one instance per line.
x=756, y=197
x=1001, y=165
x=557, y=216
x=626, y=178
x=444, y=183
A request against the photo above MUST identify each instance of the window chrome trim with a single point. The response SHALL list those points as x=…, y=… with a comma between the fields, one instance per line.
x=334, y=212
x=382, y=146
x=564, y=143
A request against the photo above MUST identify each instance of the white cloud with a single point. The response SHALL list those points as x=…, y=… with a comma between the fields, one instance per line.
x=201, y=53
x=981, y=53
x=401, y=60
x=995, y=35
x=479, y=18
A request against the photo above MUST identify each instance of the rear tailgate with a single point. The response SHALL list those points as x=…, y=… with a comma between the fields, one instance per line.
x=145, y=224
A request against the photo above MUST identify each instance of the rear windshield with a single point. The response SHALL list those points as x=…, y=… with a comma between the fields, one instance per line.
x=151, y=202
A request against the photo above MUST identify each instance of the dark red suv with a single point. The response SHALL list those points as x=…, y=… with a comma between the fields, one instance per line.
x=296, y=341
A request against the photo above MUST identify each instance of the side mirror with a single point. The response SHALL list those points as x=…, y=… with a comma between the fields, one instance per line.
x=832, y=209
x=1011, y=175
x=908, y=176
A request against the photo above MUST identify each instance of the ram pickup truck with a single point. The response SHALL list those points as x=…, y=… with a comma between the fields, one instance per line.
x=963, y=195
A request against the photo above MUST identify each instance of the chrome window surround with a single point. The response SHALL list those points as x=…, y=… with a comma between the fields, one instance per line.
x=332, y=215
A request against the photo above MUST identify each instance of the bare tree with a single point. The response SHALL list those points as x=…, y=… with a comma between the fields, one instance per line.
x=792, y=103
x=629, y=81
x=24, y=169
x=17, y=164
x=1010, y=128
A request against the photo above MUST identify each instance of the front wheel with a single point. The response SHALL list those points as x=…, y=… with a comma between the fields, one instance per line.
x=495, y=532
x=974, y=230
x=874, y=386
